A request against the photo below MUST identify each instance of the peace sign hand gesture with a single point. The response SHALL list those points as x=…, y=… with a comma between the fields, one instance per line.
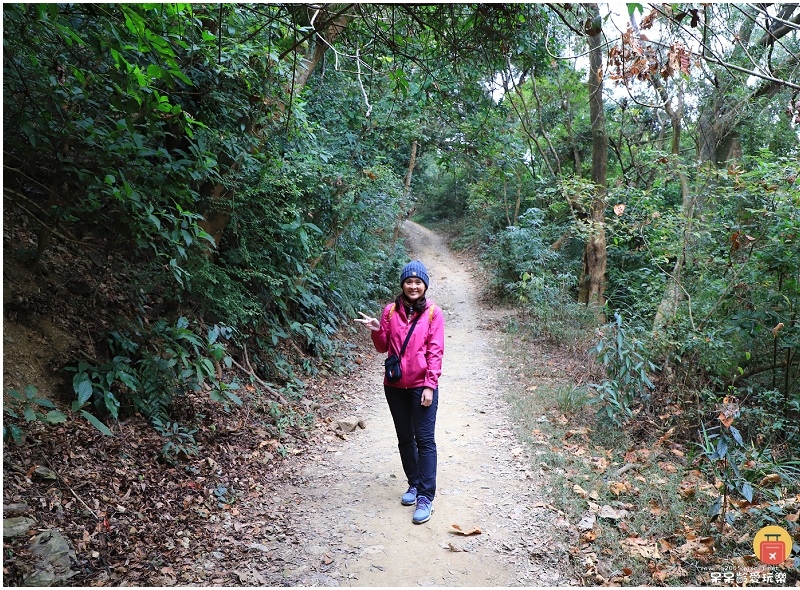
x=371, y=323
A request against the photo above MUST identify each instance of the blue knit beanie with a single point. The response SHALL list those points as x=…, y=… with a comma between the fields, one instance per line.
x=414, y=269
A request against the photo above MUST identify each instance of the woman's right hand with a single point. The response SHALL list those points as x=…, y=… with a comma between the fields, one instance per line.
x=371, y=323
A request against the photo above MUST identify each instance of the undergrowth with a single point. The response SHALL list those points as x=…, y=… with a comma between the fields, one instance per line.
x=648, y=502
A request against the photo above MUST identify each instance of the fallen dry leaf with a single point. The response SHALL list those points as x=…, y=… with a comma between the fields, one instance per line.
x=666, y=435
x=459, y=531
x=641, y=547
x=580, y=491
x=587, y=522
x=668, y=467
x=598, y=464
x=618, y=487
x=456, y=548
x=607, y=511
x=695, y=548
x=687, y=488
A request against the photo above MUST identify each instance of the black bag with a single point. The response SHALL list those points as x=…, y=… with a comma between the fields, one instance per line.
x=392, y=363
x=393, y=372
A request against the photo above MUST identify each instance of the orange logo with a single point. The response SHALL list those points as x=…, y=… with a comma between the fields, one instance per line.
x=772, y=545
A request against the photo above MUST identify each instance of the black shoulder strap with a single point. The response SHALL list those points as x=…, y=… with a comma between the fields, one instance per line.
x=408, y=336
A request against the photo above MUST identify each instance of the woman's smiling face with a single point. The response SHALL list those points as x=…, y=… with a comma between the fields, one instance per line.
x=413, y=288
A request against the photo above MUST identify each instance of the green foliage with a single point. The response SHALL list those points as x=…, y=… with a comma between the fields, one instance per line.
x=182, y=142
x=570, y=399
x=626, y=364
x=180, y=443
x=724, y=450
x=101, y=135
x=522, y=263
x=149, y=368
x=743, y=467
x=28, y=406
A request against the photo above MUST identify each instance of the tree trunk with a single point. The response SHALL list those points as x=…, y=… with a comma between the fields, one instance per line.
x=412, y=162
x=673, y=293
x=593, y=281
x=505, y=200
x=316, y=51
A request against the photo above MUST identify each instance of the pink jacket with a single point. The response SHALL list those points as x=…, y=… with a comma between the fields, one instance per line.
x=421, y=363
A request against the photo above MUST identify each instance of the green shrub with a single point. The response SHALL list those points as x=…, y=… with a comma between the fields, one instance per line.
x=625, y=361
x=150, y=367
x=27, y=406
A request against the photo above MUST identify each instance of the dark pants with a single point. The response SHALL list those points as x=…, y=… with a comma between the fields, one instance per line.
x=415, y=425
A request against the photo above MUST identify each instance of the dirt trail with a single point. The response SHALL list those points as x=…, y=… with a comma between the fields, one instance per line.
x=356, y=531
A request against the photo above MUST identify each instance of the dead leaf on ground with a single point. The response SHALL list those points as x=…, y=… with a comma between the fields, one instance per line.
x=666, y=435
x=598, y=464
x=687, y=488
x=668, y=467
x=580, y=491
x=456, y=548
x=641, y=547
x=587, y=522
x=698, y=547
x=607, y=511
x=618, y=487
x=466, y=532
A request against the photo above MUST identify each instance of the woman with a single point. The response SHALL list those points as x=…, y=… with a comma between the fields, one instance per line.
x=414, y=397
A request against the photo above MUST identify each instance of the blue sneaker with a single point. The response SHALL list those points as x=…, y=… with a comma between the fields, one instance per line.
x=410, y=497
x=423, y=511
